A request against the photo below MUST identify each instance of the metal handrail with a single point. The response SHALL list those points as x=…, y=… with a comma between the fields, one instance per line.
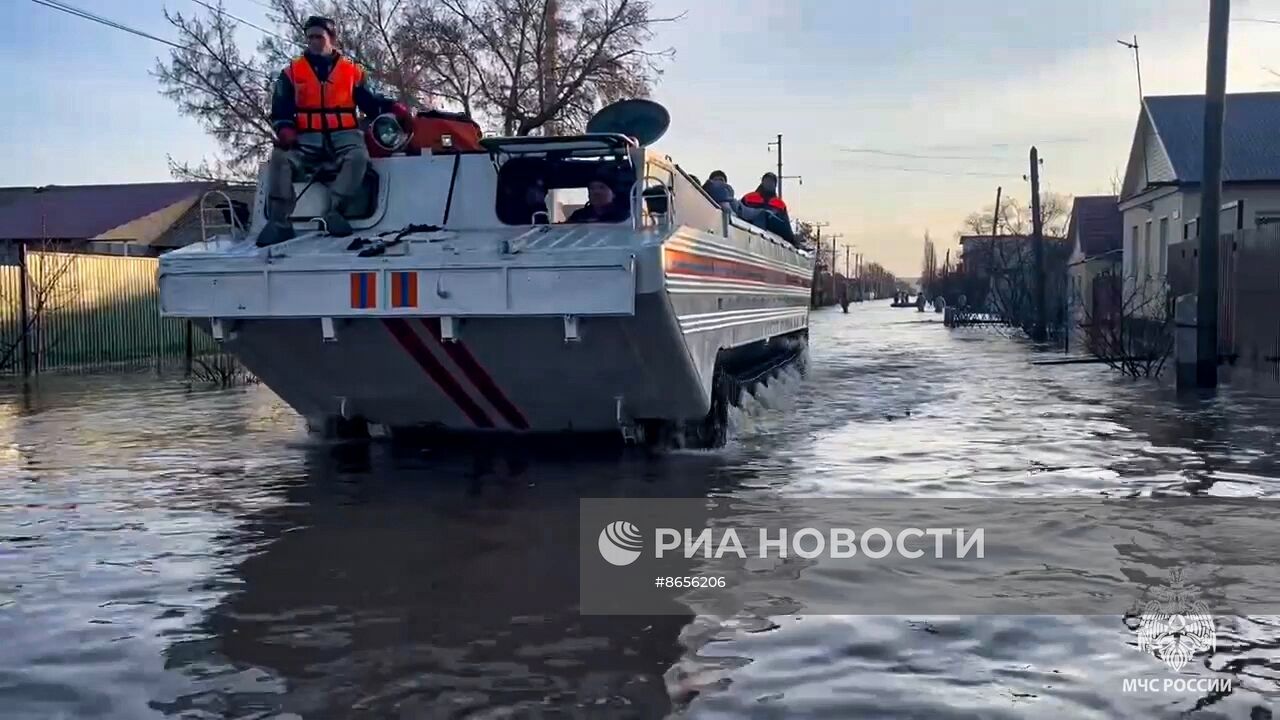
x=640, y=210
x=234, y=220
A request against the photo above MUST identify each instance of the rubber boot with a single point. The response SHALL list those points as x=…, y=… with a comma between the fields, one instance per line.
x=274, y=233
x=336, y=224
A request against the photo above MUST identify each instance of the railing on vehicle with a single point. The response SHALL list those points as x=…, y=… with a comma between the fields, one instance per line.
x=652, y=206
x=228, y=223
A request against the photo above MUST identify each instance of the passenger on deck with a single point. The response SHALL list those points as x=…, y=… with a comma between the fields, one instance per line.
x=766, y=197
x=722, y=192
x=313, y=113
x=763, y=208
x=602, y=205
x=716, y=176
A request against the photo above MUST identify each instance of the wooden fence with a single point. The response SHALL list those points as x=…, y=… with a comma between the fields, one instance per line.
x=89, y=313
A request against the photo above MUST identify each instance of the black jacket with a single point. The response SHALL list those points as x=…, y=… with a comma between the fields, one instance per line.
x=284, y=106
x=615, y=213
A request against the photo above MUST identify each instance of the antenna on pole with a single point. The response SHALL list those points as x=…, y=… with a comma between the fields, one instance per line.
x=1137, y=63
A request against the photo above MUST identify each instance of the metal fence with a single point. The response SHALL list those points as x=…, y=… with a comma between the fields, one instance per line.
x=89, y=313
x=1248, y=293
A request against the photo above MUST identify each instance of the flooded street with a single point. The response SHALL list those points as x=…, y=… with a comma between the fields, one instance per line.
x=193, y=553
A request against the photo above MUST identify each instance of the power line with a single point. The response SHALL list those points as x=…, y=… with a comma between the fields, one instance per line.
x=255, y=26
x=896, y=168
x=911, y=156
x=77, y=12
x=108, y=22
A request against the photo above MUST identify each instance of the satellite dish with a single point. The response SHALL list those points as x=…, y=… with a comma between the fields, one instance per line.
x=644, y=120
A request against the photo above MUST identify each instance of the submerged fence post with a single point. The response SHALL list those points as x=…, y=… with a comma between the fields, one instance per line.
x=1185, y=355
x=24, y=320
x=189, y=349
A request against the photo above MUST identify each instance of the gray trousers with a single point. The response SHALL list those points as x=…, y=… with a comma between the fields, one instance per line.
x=345, y=151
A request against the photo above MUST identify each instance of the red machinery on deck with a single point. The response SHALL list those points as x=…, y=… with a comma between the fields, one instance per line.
x=434, y=130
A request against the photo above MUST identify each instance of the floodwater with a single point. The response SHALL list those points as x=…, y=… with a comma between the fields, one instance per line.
x=193, y=553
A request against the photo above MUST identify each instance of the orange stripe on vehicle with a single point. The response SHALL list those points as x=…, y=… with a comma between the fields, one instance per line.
x=687, y=263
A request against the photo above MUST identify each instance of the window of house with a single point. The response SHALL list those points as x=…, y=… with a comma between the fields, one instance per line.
x=1131, y=258
x=1163, y=268
x=1146, y=250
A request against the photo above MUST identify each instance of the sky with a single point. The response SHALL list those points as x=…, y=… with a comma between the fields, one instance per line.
x=901, y=116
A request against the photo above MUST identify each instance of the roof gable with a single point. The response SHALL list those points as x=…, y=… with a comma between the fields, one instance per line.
x=1096, y=224
x=1251, y=143
x=1148, y=160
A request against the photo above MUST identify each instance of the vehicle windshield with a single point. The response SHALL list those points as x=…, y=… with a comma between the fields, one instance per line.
x=545, y=190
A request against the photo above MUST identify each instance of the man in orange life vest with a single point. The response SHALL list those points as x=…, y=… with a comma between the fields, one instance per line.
x=766, y=197
x=313, y=112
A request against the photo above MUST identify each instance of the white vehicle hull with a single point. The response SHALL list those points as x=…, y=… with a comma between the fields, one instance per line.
x=488, y=328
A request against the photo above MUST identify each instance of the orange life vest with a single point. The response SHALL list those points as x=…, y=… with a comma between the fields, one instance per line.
x=328, y=105
x=756, y=200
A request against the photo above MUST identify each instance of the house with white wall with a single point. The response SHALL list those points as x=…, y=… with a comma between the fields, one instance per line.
x=1160, y=197
x=1095, y=232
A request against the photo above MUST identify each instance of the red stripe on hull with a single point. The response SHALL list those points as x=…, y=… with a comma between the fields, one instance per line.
x=413, y=344
x=470, y=367
x=687, y=263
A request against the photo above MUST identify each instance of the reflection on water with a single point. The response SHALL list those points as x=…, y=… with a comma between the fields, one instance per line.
x=173, y=553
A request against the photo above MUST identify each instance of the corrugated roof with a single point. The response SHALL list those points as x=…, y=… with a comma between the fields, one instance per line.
x=1251, y=143
x=1099, y=222
x=78, y=212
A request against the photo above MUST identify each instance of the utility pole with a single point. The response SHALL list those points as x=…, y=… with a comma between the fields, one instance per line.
x=995, y=220
x=857, y=261
x=846, y=262
x=834, y=237
x=818, y=226
x=1038, y=331
x=1211, y=195
x=778, y=143
x=781, y=177
x=817, y=258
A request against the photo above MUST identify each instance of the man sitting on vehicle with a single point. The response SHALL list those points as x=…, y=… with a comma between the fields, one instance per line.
x=718, y=187
x=313, y=112
x=763, y=208
x=766, y=197
x=602, y=205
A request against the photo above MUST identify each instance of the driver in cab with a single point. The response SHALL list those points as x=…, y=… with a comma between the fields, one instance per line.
x=603, y=205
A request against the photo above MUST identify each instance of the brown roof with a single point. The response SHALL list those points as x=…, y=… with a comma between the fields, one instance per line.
x=79, y=212
x=1099, y=223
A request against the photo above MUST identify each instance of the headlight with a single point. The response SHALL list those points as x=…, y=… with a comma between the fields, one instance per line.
x=388, y=134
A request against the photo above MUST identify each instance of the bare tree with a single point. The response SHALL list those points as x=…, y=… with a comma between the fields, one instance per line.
x=517, y=65
x=51, y=287
x=1015, y=217
x=1117, y=182
x=221, y=369
x=929, y=265
x=1129, y=326
x=999, y=281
